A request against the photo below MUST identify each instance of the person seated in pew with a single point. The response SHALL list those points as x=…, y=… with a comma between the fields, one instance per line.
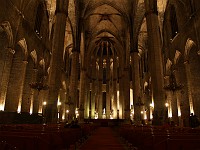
x=73, y=124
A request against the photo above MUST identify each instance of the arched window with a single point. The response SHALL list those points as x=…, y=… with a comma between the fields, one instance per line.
x=39, y=17
x=173, y=20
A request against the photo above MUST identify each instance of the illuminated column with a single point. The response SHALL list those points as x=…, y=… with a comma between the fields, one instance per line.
x=93, y=94
x=74, y=83
x=27, y=97
x=115, y=87
x=193, y=71
x=87, y=98
x=156, y=62
x=34, y=99
x=15, y=87
x=172, y=96
x=62, y=110
x=108, y=87
x=183, y=95
x=136, y=85
x=189, y=86
x=100, y=76
x=5, y=74
x=121, y=89
x=55, y=71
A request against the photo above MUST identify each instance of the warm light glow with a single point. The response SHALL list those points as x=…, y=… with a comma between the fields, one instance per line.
x=131, y=98
x=67, y=111
x=142, y=112
x=2, y=107
x=58, y=115
x=76, y=112
x=151, y=105
x=59, y=103
x=104, y=111
x=44, y=103
x=19, y=108
x=170, y=115
x=63, y=116
x=166, y=105
x=145, y=115
x=96, y=115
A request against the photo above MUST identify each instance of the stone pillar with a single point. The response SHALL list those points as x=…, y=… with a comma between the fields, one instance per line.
x=108, y=87
x=27, y=98
x=87, y=98
x=5, y=74
x=93, y=94
x=15, y=87
x=115, y=87
x=193, y=69
x=183, y=95
x=136, y=85
x=82, y=94
x=74, y=84
x=100, y=76
x=36, y=94
x=189, y=86
x=174, y=107
x=156, y=62
x=126, y=94
x=121, y=89
x=62, y=110
x=56, y=60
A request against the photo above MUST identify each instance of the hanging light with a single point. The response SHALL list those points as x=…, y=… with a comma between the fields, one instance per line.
x=173, y=86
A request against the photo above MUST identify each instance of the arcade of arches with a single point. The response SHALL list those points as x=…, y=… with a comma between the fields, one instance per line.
x=101, y=59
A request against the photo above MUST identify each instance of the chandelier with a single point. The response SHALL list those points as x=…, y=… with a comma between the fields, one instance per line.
x=139, y=102
x=173, y=85
x=39, y=86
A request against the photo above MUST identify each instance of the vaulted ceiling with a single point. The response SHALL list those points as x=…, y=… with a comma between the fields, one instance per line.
x=119, y=24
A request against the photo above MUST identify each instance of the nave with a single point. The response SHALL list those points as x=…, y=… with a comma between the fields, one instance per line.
x=98, y=136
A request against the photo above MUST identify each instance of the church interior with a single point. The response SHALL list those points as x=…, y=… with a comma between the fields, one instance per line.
x=71, y=69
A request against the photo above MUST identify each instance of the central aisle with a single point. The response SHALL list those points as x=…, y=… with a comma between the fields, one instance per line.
x=103, y=138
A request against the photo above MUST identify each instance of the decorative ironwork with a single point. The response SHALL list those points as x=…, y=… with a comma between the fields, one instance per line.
x=173, y=85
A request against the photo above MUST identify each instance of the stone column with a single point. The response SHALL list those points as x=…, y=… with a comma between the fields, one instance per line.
x=183, y=95
x=115, y=87
x=5, y=74
x=121, y=89
x=27, y=98
x=136, y=85
x=100, y=77
x=126, y=94
x=108, y=87
x=15, y=87
x=74, y=84
x=93, y=94
x=189, y=86
x=156, y=62
x=56, y=60
x=82, y=98
x=87, y=98
x=36, y=94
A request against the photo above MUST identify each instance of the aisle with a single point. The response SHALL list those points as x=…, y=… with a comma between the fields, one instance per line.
x=103, y=139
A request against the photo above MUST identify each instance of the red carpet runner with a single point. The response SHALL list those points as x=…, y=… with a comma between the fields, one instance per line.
x=103, y=139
